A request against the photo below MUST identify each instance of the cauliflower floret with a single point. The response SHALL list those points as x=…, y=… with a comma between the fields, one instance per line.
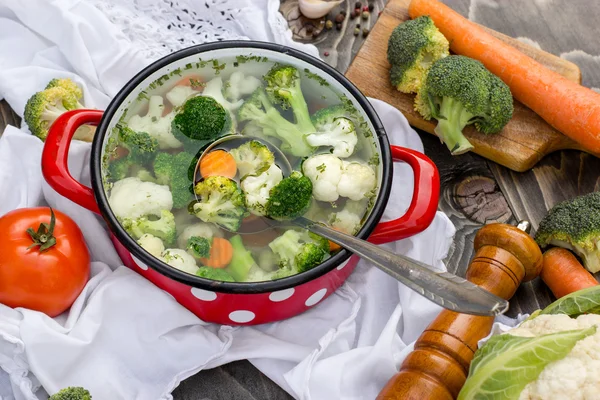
x=325, y=172
x=357, y=181
x=574, y=377
x=257, y=188
x=348, y=219
x=181, y=260
x=240, y=85
x=179, y=94
x=152, y=245
x=155, y=124
x=340, y=134
x=199, y=229
x=133, y=198
x=214, y=89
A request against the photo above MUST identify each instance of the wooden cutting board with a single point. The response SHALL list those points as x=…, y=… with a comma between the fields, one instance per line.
x=525, y=140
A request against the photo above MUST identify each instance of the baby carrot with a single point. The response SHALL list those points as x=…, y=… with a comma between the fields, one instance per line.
x=218, y=163
x=220, y=255
x=563, y=273
x=572, y=109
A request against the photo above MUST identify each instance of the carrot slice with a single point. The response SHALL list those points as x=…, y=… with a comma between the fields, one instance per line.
x=195, y=81
x=563, y=273
x=218, y=163
x=572, y=109
x=221, y=252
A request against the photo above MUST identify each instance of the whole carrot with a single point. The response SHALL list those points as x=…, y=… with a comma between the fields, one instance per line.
x=572, y=109
x=563, y=273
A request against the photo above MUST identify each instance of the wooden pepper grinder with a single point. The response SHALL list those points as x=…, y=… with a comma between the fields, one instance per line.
x=437, y=368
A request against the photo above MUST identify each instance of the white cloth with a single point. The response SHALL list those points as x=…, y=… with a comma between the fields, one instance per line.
x=124, y=338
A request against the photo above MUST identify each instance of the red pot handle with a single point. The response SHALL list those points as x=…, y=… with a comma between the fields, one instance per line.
x=423, y=205
x=55, y=157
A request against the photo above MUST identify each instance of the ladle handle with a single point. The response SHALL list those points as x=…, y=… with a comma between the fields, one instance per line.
x=445, y=289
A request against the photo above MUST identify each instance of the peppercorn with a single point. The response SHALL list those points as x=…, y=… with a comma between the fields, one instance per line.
x=365, y=15
x=343, y=12
x=309, y=30
x=371, y=7
x=339, y=18
x=329, y=24
x=355, y=13
x=365, y=8
x=326, y=53
x=358, y=25
x=358, y=5
x=338, y=27
x=365, y=32
x=356, y=31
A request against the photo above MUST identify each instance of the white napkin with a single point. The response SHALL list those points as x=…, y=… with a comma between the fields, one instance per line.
x=126, y=339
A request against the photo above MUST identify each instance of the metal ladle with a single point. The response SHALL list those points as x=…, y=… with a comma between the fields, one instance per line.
x=443, y=288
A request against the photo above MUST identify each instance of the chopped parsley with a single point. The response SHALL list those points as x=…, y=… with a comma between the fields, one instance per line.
x=321, y=167
x=316, y=77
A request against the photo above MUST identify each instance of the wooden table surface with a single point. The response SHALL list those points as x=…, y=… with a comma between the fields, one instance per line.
x=474, y=191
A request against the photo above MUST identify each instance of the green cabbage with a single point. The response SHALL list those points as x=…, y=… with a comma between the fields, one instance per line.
x=585, y=301
x=502, y=368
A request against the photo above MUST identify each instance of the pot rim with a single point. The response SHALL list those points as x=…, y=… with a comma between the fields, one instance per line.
x=238, y=287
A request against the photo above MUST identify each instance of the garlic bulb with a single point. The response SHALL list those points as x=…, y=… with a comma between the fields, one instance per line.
x=314, y=9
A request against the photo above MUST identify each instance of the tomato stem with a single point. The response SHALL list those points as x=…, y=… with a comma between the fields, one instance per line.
x=44, y=237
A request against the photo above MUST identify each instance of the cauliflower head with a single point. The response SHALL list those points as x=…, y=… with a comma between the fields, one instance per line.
x=325, y=172
x=257, y=189
x=332, y=177
x=155, y=124
x=134, y=198
x=575, y=376
x=199, y=229
x=339, y=134
x=357, y=181
x=181, y=260
x=152, y=245
x=179, y=94
x=240, y=85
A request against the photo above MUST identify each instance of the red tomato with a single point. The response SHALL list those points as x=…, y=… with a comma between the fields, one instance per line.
x=46, y=276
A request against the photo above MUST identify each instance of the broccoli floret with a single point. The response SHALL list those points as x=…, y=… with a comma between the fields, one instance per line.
x=242, y=260
x=141, y=149
x=199, y=247
x=220, y=201
x=290, y=198
x=43, y=108
x=575, y=225
x=118, y=169
x=459, y=91
x=201, y=120
x=413, y=46
x=72, y=393
x=252, y=158
x=173, y=170
x=141, y=146
x=216, y=274
x=283, y=88
x=260, y=112
x=300, y=251
x=68, y=85
x=334, y=129
x=162, y=227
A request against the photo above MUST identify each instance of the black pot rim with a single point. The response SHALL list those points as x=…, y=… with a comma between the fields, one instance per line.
x=234, y=287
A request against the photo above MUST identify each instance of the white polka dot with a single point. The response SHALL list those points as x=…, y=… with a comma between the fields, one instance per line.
x=204, y=294
x=342, y=265
x=139, y=263
x=241, y=316
x=316, y=297
x=281, y=295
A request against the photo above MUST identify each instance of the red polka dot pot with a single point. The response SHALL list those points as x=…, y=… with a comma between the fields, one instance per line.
x=235, y=303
